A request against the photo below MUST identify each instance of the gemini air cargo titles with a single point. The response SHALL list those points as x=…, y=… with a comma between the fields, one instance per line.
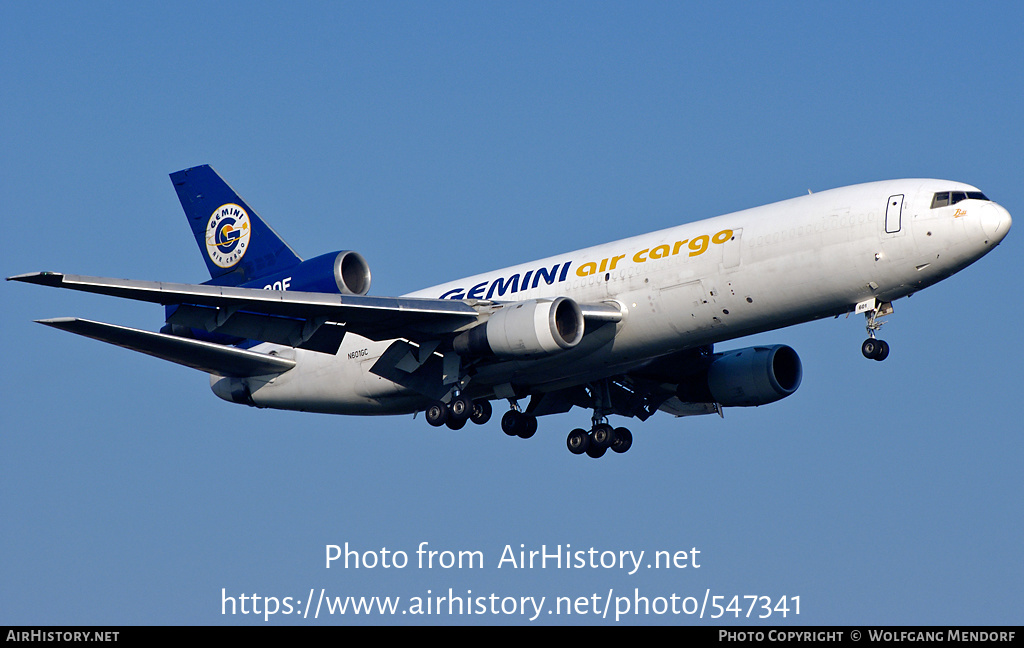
x=625, y=329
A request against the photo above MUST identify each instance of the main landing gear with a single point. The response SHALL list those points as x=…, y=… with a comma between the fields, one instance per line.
x=594, y=443
x=872, y=348
x=520, y=424
x=458, y=411
x=516, y=422
x=601, y=437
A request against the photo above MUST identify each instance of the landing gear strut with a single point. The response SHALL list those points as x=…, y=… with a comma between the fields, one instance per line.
x=872, y=348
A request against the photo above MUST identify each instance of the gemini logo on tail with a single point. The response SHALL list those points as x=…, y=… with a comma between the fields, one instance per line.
x=227, y=235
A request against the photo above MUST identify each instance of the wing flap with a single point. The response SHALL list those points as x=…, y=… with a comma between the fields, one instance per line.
x=679, y=408
x=204, y=356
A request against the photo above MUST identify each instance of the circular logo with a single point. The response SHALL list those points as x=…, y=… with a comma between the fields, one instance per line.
x=227, y=235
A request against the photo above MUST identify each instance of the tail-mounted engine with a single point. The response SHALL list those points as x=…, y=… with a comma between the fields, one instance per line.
x=526, y=328
x=344, y=272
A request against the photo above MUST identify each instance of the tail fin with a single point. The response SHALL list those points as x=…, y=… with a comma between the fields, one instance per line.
x=237, y=245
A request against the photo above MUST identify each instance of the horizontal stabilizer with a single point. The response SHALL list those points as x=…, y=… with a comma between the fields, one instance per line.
x=205, y=356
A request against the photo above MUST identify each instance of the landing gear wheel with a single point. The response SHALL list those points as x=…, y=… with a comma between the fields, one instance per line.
x=455, y=423
x=481, y=412
x=510, y=423
x=461, y=407
x=437, y=414
x=594, y=451
x=623, y=440
x=578, y=441
x=602, y=436
x=869, y=348
x=883, y=350
x=875, y=349
x=527, y=426
x=518, y=424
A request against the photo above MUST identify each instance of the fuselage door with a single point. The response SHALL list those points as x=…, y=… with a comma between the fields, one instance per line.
x=893, y=214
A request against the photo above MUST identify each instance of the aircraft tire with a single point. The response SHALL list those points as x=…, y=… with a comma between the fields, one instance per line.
x=623, y=440
x=869, y=348
x=455, y=423
x=578, y=441
x=437, y=414
x=509, y=423
x=594, y=451
x=875, y=349
x=602, y=436
x=527, y=426
x=883, y=350
x=481, y=412
x=460, y=408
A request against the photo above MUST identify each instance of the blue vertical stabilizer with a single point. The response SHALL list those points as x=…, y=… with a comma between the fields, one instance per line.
x=236, y=244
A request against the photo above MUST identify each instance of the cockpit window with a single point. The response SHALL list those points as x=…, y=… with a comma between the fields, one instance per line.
x=945, y=198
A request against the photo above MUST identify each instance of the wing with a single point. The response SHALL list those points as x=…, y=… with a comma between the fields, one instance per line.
x=376, y=318
x=310, y=320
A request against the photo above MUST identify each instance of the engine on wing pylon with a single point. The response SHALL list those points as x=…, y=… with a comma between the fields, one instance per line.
x=526, y=328
x=745, y=377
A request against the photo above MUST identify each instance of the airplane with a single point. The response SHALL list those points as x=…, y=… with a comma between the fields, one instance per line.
x=626, y=328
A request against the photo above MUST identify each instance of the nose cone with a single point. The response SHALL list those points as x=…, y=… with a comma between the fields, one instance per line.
x=995, y=221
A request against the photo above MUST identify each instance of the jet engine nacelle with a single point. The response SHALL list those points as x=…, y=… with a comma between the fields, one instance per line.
x=526, y=328
x=343, y=272
x=754, y=375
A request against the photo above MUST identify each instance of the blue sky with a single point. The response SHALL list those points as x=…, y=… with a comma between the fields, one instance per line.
x=445, y=139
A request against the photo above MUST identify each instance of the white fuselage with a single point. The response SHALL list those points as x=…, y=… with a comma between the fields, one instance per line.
x=704, y=282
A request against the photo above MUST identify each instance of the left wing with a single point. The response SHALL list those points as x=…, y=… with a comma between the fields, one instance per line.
x=375, y=318
x=294, y=318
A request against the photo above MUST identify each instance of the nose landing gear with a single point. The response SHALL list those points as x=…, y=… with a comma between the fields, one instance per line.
x=872, y=348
